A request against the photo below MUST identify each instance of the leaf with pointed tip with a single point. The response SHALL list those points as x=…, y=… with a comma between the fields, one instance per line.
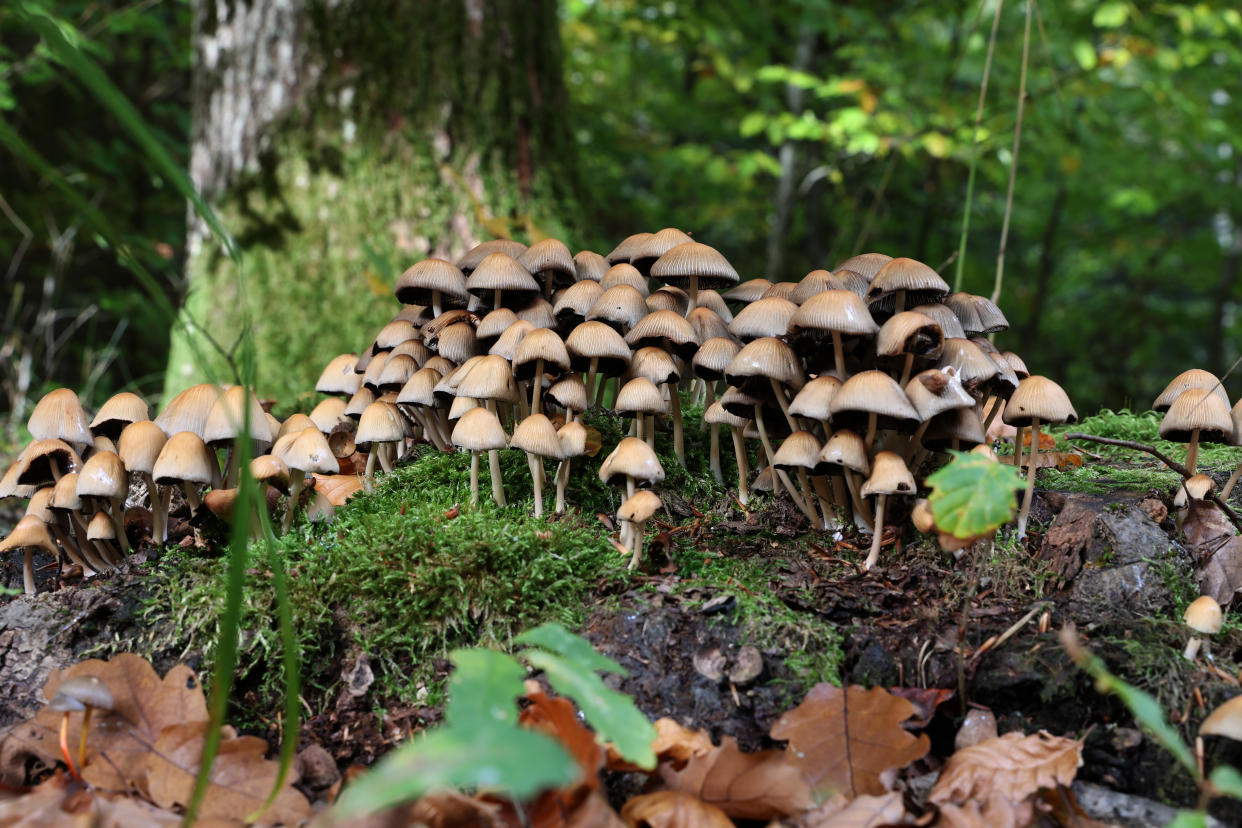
x=973, y=495
x=554, y=637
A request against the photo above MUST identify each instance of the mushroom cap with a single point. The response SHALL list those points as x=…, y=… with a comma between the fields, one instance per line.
x=833, y=310
x=620, y=306
x=595, y=340
x=973, y=366
x=628, y=247
x=589, y=265
x=763, y=359
x=381, y=422
x=431, y=330
x=396, y=372
x=846, y=448
x=910, y=332
x=544, y=344
x=713, y=357
x=656, y=245
x=769, y=316
x=920, y=283
x=632, y=458
x=458, y=342
x=751, y=290
x=65, y=494
x=889, y=476
x=693, y=259
x=359, y=402
x=866, y=265
x=550, y=260
x=490, y=378
x=412, y=348
x=575, y=301
x=537, y=435
x=479, y=430
x=640, y=506
x=1204, y=615
x=1225, y=720
x=814, y=401
x=328, y=414
x=309, y=452
x=101, y=527
x=664, y=328
x=103, y=475
x=780, y=290
x=669, y=298
x=717, y=414
x=29, y=532
x=872, y=392
x=639, y=396
x=88, y=691
x=140, y=444
x=500, y=271
x=710, y=299
x=936, y=390
x=573, y=438
x=227, y=419
x=295, y=423
x=418, y=315
x=656, y=364
x=852, y=281
x=184, y=458
x=418, y=285
x=59, y=415
x=479, y=252
x=494, y=325
x=799, y=450
x=119, y=411
x=40, y=504
x=816, y=281
x=961, y=424
x=1016, y=364
x=506, y=345
x=460, y=406
x=392, y=335
x=1194, y=378
x=270, y=469
x=36, y=462
x=709, y=324
x=949, y=324
x=625, y=274
x=569, y=393
x=419, y=389
x=1197, y=408
x=1196, y=487
x=1040, y=398
x=978, y=314
x=538, y=312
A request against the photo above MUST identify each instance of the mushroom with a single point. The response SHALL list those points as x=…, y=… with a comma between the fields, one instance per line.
x=709, y=365
x=29, y=533
x=1202, y=616
x=903, y=283
x=1197, y=415
x=889, y=476
x=594, y=347
x=67, y=506
x=84, y=694
x=103, y=477
x=693, y=265
x=639, y=398
x=537, y=437
x=59, y=416
x=40, y=506
x=1196, y=487
x=1194, y=378
x=236, y=415
x=380, y=428
x=624, y=273
x=1040, y=400
x=490, y=381
x=633, y=460
x=628, y=248
x=475, y=255
x=716, y=414
x=589, y=266
x=185, y=461
x=329, y=413
x=634, y=514
x=188, y=410
x=906, y=336
x=118, y=412
x=539, y=350
x=654, y=246
x=500, y=279
x=573, y=437
x=767, y=317
x=479, y=430
x=306, y=453
x=338, y=376
x=800, y=452
x=551, y=263
x=433, y=282
x=870, y=401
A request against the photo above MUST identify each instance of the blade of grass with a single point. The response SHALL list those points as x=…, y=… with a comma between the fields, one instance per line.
x=1013, y=162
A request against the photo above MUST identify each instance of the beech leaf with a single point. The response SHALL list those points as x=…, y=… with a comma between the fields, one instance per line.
x=973, y=495
x=1013, y=766
x=862, y=812
x=337, y=488
x=842, y=740
x=760, y=786
x=673, y=809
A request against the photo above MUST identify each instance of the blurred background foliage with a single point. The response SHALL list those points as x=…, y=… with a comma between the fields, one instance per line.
x=790, y=134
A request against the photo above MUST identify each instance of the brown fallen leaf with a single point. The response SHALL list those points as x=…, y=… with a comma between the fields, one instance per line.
x=58, y=802
x=241, y=779
x=118, y=742
x=558, y=718
x=842, y=740
x=1013, y=766
x=994, y=812
x=925, y=702
x=673, y=744
x=672, y=809
x=1205, y=525
x=761, y=785
x=446, y=809
x=337, y=488
x=864, y=812
x=595, y=812
x=1221, y=575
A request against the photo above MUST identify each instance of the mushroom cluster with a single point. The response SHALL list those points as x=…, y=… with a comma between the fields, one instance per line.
x=840, y=385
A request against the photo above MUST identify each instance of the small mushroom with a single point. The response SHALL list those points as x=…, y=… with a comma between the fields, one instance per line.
x=634, y=514
x=538, y=438
x=1203, y=616
x=29, y=533
x=83, y=694
x=1039, y=400
x=480, y=430
x=889, y=476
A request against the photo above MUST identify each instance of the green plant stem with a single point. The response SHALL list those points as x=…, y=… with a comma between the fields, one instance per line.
x=1013, y=162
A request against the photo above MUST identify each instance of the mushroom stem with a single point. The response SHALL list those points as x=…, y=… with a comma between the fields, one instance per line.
x=159, y=516
x=534, y=403
x=368, y=478
x=905, y=370
x=1192, y=453
x=779, y=392
x=1032, y=466
x=872, y=422
x=861, y=511
x=739, y=452
x=296, y=476
x=64, y=747
x=820, y=486
x=435, y=303
x=590, y=377
x=838, y=355
x=86, y=725
x=877, y=536
x=1231, y=482
x=191, y=494
x=636, y=544
x=117, y=513
x=523, y=410
x=28, y=570
x=496, y=298
x=916, y=441
x=777, y=473
x=899, y=302
x=1192, y=648
x=674, y=402
x=1017, y=446
x=694, y=293
x=536, y=476
x=474, y=478
x=493, y=466
x=562, y=478
x=384, y=450
x=629, y=486
x=89, y=550
x=992, y=412
x=71, y=548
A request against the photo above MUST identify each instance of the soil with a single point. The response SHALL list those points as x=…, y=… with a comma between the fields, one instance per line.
x=691, y=655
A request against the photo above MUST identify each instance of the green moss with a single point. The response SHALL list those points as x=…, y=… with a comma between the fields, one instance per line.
x=1143, y=428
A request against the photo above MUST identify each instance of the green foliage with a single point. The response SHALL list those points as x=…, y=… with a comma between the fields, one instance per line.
x=481, y=745
x=973, y=495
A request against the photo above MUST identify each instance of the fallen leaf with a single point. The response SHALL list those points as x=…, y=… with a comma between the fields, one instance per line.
x=864, y=812
x=558, y=718
x=337, y=488
x=842, y=740
x=241, y=779
x=759, y=785
x=994, y=812
x=1221, y=575
x=672, y=809
x=58, y=802
x=448, y=809
x=1205, y=524
x=595, y=812
x=1013, y=766
x=925, y=701
x=674, y=745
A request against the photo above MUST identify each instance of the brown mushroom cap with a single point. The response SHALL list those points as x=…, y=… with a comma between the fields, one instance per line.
x=227, y=419
x=873, y=392
x=101, y=527
x=119, y=411
x=625, y=274
x=328, y=414
x=910, y=332
x=538, y=312
x=632, y=458
x=713, y=357
x=1194, y=378
x=845, y=448
x=1195, y=487
x=507, y=343
x=751, y=290
x=628, y=247
x=799, y=450
x=1040, y=398
x=960, y=424
x=639, y=396
x=1204, y=615
x=576, y=301
x=620, y=307
x=569, y=393
x=381, y=422
x=949, y=324
x=937, y=390
x=573, y=437
x=30, y=532
x=339, y=377
x=665, y=329
x=502, y=272
x=639, y=507
x=589, y=265
x=866, y=265
x=889, y=476
x=709, y=324
x=656, y=245
x=769, y=316
x=537, y=435
x=494, y=325
x=814, y=401
x=671, y=299
x=418, y=285
x=65, y=494
x=978, y=314
x=656, y=364
x=42, y=461
x=490, y=378
x=60, y=416
x=544, y=344
x=103, y=475
x=717, y=414
x=184, y=458
x=920, y=283
x=475, y=256
x=479, y=430
x=595, y=340
x=458, y=342
x=763, y=360
x=309, y=452
x=549, y=260
x=833, y=310
x=693, y=259
x=269, y=469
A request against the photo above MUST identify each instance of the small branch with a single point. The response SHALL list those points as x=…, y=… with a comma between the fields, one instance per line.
x=1168, y=461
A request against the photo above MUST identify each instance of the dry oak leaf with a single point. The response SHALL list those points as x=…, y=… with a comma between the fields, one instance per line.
x=864, y=812
x=241, y=779
x=337, y=488
x=672, y=809
x=843, y=740
x=118, y=742
x=994, y=812
x=673, y=744
x=1013, y=766
x=759, y=785
x=558, y=718
x=58, y=803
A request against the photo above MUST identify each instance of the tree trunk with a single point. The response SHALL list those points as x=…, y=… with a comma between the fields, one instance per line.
x=786, y=187
x=342, y=142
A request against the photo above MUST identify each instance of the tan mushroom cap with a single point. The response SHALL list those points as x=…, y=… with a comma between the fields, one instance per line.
x=910, y=332
x=396, y=372
x=769, y=316
x=620, y=306
x=664, y=328
x=628, y=247
x=538, y=312
x=392, y=335
x=494, y=325
x=936, y=390
x=569, y=393
x=420, y=388
x=227, y=419
x=88, y=691
x=1040, y=398
x=491, y=378
x=1194, y=378
x=845, y=448
x=309, y=452
x=639, y=396
x=780, y=290
x=816, y=281
x=140, y=444
x=920, y=282
x=833, y=310
x=978, y=314
x=949, y=324
x=589, y=265
x=639, y=507
x=766, y=358
x=37, y=462
x=269, y=469
x=30, y=532
x=1204, y=615
x=328, y=414
x=65, y=494
x=694, y=259
x=185, y=458
x=380, y=423
x=506, y=345
x=717, y=414
x=103, y=475
x=632, y=458
x=800, y=449
x=479, y=252
x=1196, y=487
x=294, y=424
x=1225, y=720
x=669, y=298
x=1016, y=364
x=814, y=401
x=852, y=281
x=479, y=430
x=101, y=527
x=419, y=284
x=656, y=364
x=751, y=290
x=974, y=368
x=550, y=259
x=430, y=331
x=625, y=274
x=872, y=392
x=460, y=406
x=595, y=340
x=458, y=342
x=40, y=504
x=961, y=424
x=656, y=245
x=544, y=344
x=889, y=476
x=537, y=435
x=711, y=299
x=576, y=301
x=119, y=411
x=338, y=376
x=502, y=272
x=707, y=323
x=573, y=437
x=713, y=357
x=866, y=265
x=59, y=415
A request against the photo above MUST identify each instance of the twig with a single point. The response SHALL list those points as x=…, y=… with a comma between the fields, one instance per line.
x=1168, y=461
x=1013, y=161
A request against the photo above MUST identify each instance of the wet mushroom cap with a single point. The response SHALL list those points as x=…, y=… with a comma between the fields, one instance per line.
x=1196, y=409
x=60, y=415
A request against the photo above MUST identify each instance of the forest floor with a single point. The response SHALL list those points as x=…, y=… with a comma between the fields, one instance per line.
x=734, y=614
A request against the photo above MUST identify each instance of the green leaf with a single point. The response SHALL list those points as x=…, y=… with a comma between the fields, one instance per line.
x=1189, y=819
x=973, y=495
x=1227, y=780
x=1111, y=15
x=483, y=690
x=612, y=714
x=554, y=637
x=1084, y=53
x=508, y=758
